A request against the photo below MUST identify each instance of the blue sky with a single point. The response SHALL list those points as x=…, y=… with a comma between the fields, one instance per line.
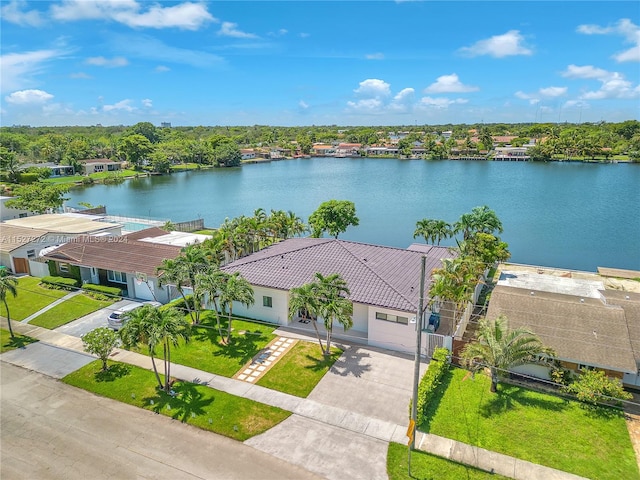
x=110, y=62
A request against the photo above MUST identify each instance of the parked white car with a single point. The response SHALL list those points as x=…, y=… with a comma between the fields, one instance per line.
x=117, y=318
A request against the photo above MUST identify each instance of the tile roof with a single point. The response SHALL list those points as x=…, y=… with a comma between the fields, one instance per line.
x=376, y=275
x=581, y=330
x=122, y=254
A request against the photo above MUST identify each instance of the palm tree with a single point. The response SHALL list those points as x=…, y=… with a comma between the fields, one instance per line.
x=303, y=301
x=326, y=297
x=140, y=328
x=500, y=349
x=235, y=289
x=432, y=230
x=211, y=283
x=154, y=326
x=8, y=284
x=480, y=219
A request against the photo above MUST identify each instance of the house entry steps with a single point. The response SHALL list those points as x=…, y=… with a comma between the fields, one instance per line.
x=265, y=359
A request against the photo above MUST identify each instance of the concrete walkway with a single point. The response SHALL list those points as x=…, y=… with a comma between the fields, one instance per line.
x=326, y=414
x=51, y=305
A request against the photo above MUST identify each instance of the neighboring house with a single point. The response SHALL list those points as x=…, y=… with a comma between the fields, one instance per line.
x=511, y=154
x=7, y=213
x=384, y=284
x=56, y=170
x=247, y=153
x=323, y=150
x=128, y=262
x=348, y=150
x=98, y=165
x=586, y=324
x=22, y=240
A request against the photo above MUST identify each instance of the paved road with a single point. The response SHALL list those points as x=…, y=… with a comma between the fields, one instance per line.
x=54, y=431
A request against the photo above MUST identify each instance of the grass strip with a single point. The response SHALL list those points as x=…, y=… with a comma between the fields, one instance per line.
x=31, y=298
x=430, y=467
x=18, y=341
x=235, y=417
x=300, y=370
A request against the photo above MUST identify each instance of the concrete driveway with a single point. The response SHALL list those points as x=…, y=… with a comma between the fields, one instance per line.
x=85, y=324
x=374, y=382
x=50, y=360
x=53, y=431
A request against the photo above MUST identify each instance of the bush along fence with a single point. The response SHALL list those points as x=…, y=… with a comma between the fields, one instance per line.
x=60, y=282
x=438, y=367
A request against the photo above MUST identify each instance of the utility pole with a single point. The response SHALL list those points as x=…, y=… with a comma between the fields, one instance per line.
x=411, y=432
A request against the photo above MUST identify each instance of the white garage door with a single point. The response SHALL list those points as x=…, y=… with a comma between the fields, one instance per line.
x=143, y=290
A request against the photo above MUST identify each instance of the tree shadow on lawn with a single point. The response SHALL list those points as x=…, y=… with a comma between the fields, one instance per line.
x=510, y=396
x=242, y=347
x=318, y=364
x=111, y=374
x=187, y=401
x=19, y=341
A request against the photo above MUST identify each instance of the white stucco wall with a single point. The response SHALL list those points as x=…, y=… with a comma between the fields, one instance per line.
x=277, y=313
x=391, y=335
x=360, y=317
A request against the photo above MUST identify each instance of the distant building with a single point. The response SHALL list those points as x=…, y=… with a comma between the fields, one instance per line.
x=165, y=125
x=97, y=165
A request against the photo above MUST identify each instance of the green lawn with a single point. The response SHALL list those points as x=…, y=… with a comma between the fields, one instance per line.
x=31, y=298
x=205, y=352
x=203, y=407
x=206, y=231
x=429, y=467
x=300, y=370
x=95, y=176
x=18, y=341
x=69, y=310
x=541, y=428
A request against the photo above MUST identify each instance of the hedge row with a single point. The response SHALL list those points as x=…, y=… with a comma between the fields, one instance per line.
x=438, y=366
x=60, y=282
x=110, y=291
x=180, y=304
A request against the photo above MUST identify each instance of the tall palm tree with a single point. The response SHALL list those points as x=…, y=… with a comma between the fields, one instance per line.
x=432, y=230
x=139, y=328
x=333, y=304
x=211, y=284
x=480, y=219
x=8, y=285
x=303, y=301
x=235, y=289
x=499, y=349
x=171, y=327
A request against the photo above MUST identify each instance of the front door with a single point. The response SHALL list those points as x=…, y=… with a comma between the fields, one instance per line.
x=21, y=265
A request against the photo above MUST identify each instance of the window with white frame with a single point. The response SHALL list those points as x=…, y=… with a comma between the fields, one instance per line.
x=116, y=277
x=392, y=318
x=63, y=267
x=267, y=301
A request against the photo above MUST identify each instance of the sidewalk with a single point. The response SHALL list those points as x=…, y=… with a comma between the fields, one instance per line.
x=338, y=417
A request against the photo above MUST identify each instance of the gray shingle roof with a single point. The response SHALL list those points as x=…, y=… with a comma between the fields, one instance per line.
x=376, y=275
x=581, y=330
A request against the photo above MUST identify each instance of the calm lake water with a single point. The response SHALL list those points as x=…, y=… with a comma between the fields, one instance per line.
x=569, y=215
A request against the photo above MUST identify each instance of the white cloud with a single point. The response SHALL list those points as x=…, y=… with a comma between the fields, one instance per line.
x=150, y=48
x=17, y=69
x=186, y=16
x=303, y=105
x=373, y=87
x=499, y=46
x=278, y=33
x=575, y=103
x=28, y=97
x=228, y=29
x=586, y=71
x=553, y=91
x=612, y=84
x=625, y=28
x=440, y=102
x=403, y=101
x=107, y=62
x=121, y=105
x=162, y=69
x=375, y=56
x=367, y=105
x=80, y=75
x=449, y=84
x=147, y=103
x=527, y=96
x=13, y=12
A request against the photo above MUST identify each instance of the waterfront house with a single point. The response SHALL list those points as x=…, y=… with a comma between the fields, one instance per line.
x=56, y=170
x=98, y=165
x=384, y=284
x=128, y=262
x=22, y=240
x=588, y=325
x=247, y=153
x=322, y=150
x=7, y=213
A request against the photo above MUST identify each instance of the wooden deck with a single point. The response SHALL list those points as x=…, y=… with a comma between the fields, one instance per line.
x=618, y=273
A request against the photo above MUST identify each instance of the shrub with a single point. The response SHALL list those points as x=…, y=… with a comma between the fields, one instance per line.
x=594, y=387
x=29, y=177
x=101, y=289
x=60, y=282
x=438, y=366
